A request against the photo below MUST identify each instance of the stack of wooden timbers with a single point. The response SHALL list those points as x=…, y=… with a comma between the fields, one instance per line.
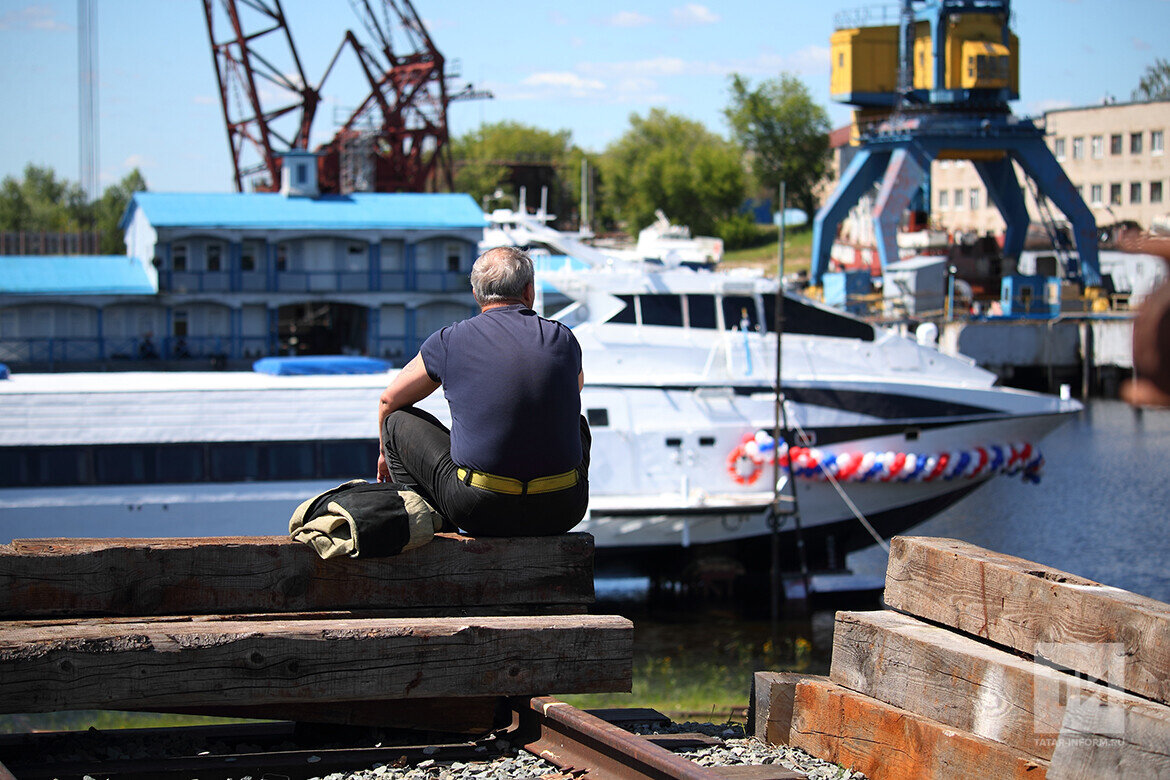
x=261, y=627
x=984, y=665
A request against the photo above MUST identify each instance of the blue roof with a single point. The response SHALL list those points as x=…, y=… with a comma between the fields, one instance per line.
x=360, y=210
x=74, y=274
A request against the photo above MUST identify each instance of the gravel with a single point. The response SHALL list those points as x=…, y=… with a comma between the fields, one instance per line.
x=500, y=761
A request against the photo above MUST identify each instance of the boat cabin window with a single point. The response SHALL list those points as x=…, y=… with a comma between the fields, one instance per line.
x=288, y=461
x=701, y=312
x=800, y=317
x=737, y=309
x=662, y=310
x=234, y=463
x=128, y=464
x=628, y=315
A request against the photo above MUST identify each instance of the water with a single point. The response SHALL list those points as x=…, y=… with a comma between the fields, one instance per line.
x=1100, y=512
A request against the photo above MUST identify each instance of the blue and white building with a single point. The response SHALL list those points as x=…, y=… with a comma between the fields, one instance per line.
x=234, y=277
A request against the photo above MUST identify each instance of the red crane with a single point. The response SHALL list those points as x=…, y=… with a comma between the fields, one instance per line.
x=394, y=141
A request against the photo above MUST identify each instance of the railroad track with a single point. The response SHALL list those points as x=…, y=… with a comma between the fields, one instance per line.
x=578, y=743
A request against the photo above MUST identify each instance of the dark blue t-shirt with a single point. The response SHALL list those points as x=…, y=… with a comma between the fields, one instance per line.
x=510, y=378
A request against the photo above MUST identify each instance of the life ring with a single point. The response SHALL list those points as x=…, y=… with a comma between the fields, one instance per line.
x=743, y=467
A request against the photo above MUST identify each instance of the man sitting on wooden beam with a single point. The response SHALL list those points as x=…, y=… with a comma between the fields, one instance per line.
x=516, y=460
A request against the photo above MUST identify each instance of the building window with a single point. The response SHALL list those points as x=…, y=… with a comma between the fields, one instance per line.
x=1156, y=142
x=1095, y=195
x=1097, y=146
x=1155, y=192
x=179, y=325
x=1115, y=194
x=1135, y=192
x=248, y=258
x=1058, y=148
x=302, y=173
x=179, y=257
x=214, y=257
x=454, y=257
x=944, y=199
x=974, y=198
x=1080, y=188
x=1135, y=143
x=281, y=258
x=1115, y=144
x=1078, y=150
x=958, y=200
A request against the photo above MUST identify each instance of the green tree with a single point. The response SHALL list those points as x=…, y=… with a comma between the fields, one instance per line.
x=489, y=158
x=665, y=161
x=785, y=133
x=1155, y=83
x=109, y=208
x=40, y=201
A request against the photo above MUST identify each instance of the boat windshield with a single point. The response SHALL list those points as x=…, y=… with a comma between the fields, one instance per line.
x=809, y=320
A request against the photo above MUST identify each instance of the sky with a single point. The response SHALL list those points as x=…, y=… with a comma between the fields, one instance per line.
x=581, y=67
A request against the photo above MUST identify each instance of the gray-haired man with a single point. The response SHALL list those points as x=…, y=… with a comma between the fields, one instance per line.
x=516, y=460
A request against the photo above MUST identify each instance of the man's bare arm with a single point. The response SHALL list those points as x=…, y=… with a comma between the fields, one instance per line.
x=410, y=386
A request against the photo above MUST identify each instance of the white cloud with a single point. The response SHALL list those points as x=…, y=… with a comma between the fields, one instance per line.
x=572, y=82
x=204, y=100
x=1140, y=45
x=633, y=86
x=137, y=161
x=32, y=17
x=628, y=19
x=658, y=66
x=693, y=13
x=557, y=18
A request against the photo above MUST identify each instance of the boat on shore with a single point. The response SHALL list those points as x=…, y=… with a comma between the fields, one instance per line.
x=680, y=374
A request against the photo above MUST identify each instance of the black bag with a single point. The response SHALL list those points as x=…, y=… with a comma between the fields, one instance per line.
x=364, y=519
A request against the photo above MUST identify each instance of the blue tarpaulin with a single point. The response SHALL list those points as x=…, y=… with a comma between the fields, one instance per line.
x=321, y=364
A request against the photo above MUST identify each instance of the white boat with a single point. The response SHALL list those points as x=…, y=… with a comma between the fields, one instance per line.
x=679, y=368
x=674, y=245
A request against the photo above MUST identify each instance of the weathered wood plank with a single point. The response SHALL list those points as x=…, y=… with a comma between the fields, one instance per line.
x=44, y=578
x=770, y=704
x=1073, y=622
x=151, y=665
x=965, y=683
x=1083, y=754
x=882, y=741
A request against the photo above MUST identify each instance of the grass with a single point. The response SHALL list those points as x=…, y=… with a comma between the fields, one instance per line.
x=704, y=674
x=102, y=720
x=797, y=254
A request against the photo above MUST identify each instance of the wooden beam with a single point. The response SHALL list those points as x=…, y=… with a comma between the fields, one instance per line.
x=770, y=704
x=884, y=742
x=139, y=577
x=1072, y=622
x=154, y=665
x=969, y=685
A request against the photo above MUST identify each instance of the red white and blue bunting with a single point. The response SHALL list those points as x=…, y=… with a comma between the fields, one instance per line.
x=746, y=462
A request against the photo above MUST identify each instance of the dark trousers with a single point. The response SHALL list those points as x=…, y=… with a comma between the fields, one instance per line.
x=418, y=452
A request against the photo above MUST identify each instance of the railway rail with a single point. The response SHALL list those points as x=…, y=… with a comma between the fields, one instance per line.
x=579, y=744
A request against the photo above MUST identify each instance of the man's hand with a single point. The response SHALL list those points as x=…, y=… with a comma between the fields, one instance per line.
x=383, y=469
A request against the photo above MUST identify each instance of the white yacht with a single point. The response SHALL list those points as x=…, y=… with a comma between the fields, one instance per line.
x=680, y=371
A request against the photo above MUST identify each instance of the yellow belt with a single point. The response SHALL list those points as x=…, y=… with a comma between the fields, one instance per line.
x=516, y=487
